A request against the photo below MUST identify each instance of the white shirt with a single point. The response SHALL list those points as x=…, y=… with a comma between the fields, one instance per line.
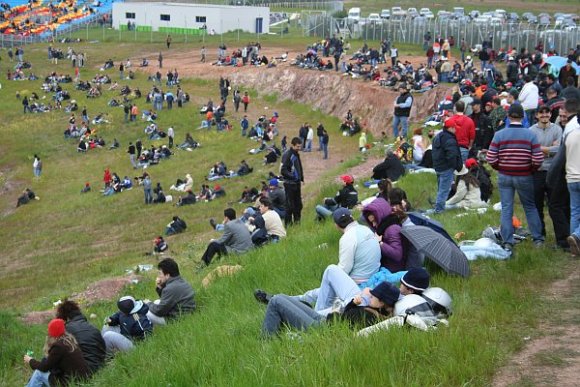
x=310, y=134
x=170, y=132
x=529, y=96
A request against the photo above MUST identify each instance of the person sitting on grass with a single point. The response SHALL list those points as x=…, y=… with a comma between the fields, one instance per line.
x=26, y=197
x=467, y=192
x=128, y=325
x=386, y=224
x=346, y=197
x=189, y=198
x=159, y=245
x=235, y=239
x=176, y=295
x=62, y=362
x=87, y=336
x=176, y=226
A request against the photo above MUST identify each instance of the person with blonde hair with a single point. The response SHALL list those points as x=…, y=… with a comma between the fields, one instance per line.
x=63, y=360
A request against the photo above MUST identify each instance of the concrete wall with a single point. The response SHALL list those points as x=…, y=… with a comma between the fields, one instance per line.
x=218, y=18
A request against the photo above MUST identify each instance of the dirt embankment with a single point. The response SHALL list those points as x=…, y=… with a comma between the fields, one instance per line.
x=329, y=91
x=334, y=94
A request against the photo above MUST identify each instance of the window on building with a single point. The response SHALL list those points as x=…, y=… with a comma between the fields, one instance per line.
x=130, y=15
x=165, y=17
x=200, y=19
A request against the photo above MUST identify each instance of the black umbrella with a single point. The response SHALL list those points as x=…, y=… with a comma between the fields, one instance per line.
x=442, y=251
x=419, y=219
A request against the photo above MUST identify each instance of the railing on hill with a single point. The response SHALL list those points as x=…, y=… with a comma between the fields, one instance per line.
x=412, y=31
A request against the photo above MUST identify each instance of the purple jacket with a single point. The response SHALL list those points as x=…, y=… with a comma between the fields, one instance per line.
x=391, y=244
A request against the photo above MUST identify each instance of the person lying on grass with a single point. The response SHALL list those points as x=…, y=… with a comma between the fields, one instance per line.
x=364, y=308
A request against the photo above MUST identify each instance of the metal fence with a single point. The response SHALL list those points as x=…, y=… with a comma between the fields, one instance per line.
x=412, y=31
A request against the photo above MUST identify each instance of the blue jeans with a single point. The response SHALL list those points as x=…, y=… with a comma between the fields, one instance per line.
x=324, y=211
x=320, y=146
x=148, y=195
x=290, y=311
x=325, y=150
x=336, y=284
x=39, y=379
x=404, y=121
x=574, y=189
x=464, y=153
x=444, y=181
x=524, y=185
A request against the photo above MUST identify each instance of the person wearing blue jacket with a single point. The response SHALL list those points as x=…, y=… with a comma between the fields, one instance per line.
x=128, y=325
x=446, y=159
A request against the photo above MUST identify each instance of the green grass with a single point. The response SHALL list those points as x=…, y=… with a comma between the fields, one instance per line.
x=65, y=241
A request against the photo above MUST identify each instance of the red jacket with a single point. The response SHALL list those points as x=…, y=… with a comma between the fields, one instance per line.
x=464, y=129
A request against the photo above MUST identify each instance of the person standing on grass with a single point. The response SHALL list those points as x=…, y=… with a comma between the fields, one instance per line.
x=403, y=105
x=170, y=136
x=160, y=60
x=202, y=52
x=549, y=136
x=464, y=129
x=309, y=139
x=246, y=101
x=293, y=176
x=324, y=142
x=572, y=144
x=236, y=238
x=132, y=155
x=516, y=154
x=176, y=295
x=37, y=166
x=446, y=159
x=168, y=41
x=147, y=189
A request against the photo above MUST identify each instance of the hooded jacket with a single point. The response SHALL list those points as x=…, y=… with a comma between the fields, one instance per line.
x=446, y=153
x=390, y=231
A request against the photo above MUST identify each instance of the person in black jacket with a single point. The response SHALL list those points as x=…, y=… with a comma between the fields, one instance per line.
x=446, y=159
x=483, y=129
x=293, y=175
x=391, y=168
x=128, y=325
x=346, y=197
x=87, y=336
x=176, y=226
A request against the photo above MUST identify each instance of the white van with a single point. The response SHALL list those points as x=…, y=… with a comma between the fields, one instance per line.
x=354, y=14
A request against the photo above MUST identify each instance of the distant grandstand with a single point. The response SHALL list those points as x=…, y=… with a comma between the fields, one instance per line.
x=43, y=18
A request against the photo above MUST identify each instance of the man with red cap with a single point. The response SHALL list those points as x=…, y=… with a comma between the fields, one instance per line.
x=346, y=197
x=464, y=129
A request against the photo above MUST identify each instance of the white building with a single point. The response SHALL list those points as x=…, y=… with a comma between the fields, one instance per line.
x=187, y=18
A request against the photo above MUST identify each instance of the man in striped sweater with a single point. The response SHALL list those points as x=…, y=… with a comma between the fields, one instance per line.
x=516, y=153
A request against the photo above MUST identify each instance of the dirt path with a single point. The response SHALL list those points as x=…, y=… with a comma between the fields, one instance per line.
x=552, y=358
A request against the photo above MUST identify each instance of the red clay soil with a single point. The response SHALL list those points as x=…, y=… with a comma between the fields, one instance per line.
x=106, y=289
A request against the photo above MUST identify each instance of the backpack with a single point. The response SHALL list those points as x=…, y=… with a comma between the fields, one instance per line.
x=485, y=184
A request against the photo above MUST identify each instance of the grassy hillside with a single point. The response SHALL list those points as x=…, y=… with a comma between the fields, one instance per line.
x=60, y=244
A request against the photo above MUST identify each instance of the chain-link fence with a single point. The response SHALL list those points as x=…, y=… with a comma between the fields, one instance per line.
x=412, y=31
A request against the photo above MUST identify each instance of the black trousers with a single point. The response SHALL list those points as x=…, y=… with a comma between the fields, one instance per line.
x=559, y=210
x=541, y=193
x=212, y=249
x=293, y=203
